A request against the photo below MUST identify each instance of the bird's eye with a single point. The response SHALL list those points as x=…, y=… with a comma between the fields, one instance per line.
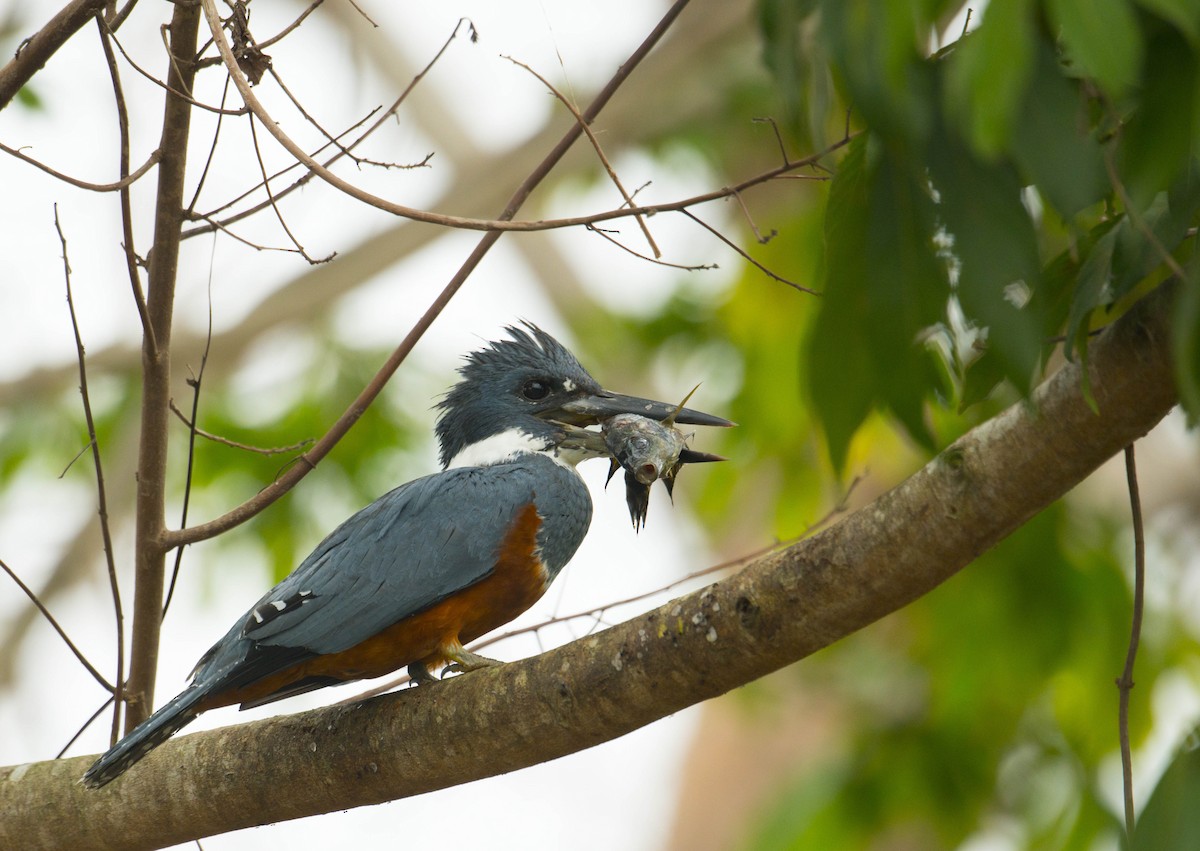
x=535, y=390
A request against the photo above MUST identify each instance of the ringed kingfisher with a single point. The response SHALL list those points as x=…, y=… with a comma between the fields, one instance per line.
x=435, y=563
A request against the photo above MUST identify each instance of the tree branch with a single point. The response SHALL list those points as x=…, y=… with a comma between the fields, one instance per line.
x=780, y=609
x=35, y=52
x=149, y=564
x=322, y=447
x=449, y=221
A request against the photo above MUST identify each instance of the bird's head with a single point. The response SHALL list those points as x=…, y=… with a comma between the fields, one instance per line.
x=528, y=393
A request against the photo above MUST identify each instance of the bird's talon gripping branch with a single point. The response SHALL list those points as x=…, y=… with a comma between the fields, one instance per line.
x=464, y=661
x=418, y=672
x=458, y=553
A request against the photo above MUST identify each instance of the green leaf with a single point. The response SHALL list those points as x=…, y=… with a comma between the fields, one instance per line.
x=988, y=73
x=906, y=292
x=1185, y=341
x=1166, y=220
x=1170, y=820
x=1103, y=39
x=995, y=242
x=874, y=47
x=28, y=97
x=1051, y=141
x=839, y=368
x=1183, y=14
x=1091, y=291
x=779, y=25
x=1158, y=142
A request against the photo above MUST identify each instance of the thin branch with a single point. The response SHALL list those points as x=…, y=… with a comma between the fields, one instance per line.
x=101, y=494
x=169, y=89
x=33, y=598
x=746, y=256
x=212, y=152
x=191, y=450
x=123, y=183
x=118, y=18
x=36, y=50
x=266, y=184
x=587, y=128
x=233, y=444
x=500, y=224
x=603, y=233
x=131, y=258
x=1125, y=682
x=310, y=459
x=286, y=31
x=783, y=154
x=91, y=720
x=762, y=240
x=329, y=162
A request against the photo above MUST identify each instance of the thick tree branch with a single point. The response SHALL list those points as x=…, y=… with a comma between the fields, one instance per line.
x=779, y=609
x=36, y=51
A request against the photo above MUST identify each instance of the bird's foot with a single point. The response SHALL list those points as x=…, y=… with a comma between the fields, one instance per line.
x=465, y=661
x=418, y=672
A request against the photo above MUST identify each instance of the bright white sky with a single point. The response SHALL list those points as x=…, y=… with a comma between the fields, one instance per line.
x=619, y=795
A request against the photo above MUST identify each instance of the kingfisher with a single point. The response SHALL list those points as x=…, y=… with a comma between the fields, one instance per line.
x=434, y=564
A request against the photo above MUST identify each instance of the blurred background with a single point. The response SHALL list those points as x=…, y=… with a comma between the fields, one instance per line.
x=981, y=717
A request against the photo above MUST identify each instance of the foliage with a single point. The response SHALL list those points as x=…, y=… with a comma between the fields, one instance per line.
x=1009, y=193
x=1036, y=172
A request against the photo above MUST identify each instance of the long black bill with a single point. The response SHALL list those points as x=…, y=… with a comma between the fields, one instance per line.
x=601, y=406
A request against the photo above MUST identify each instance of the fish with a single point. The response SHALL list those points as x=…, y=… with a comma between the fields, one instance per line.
x=649, y=451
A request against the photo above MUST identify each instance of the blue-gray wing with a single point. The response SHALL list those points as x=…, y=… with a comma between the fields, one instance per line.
x=402, y=554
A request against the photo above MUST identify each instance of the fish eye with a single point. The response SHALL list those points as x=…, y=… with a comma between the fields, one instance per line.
x=535, y=390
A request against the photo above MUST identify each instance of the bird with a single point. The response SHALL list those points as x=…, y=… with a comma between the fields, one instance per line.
x=433, y=564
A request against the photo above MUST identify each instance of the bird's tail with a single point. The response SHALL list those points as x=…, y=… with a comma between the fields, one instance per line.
x=145, y=737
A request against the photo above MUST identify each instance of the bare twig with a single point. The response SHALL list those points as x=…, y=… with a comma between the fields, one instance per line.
x=500, y=224
x=212, y=152
x=587, y=129
x=310, y=459
x=131, y=259
x=329, y=162
x=233, y=444
x=101, y=495
x=123, y=183
x=266, y=184
x=746, y=256
x=601, y=232
x=91, y=720
x=1125, y=682
x=33, y=598
x=191, y=452
x=36, y=50
x=185, y=96
x=286, y=31
x=783, y=154
x=762, y=240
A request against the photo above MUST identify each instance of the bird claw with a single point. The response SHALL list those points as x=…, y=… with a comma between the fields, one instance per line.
x=463, y=662
x=419, y=674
